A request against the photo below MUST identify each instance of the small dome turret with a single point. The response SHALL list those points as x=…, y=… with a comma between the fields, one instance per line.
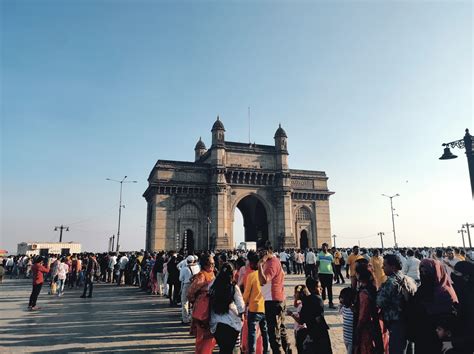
x=280, y=132
x=200, y=145
x=217, y=125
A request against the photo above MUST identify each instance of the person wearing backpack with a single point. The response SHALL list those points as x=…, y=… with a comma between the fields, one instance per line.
x=392, y=298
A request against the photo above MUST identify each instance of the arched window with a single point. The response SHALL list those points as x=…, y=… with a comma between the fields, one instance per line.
x=303, y=214
x=189, y=211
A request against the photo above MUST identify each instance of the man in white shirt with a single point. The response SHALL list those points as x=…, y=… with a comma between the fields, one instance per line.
x=185, y=275
x=411, y=267
x=122, y=266
x=110, y=266
x=449, y=262
x=284, y=261
x=311, y=264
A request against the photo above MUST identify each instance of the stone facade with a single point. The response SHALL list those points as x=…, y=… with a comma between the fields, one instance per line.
x=192, y=204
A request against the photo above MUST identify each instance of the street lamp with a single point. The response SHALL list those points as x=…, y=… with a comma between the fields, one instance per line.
x=61, y=228
x=462, y=234
x=393, y=219
x=467, y=226
x=467, y=144
x=381, y=234
x=120, y=205
x=334, y=237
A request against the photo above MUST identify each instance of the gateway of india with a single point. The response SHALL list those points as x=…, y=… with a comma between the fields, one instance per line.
x=192, y=204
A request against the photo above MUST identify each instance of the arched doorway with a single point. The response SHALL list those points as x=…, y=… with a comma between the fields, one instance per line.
x=188, y=240
x=303, y=239
x=255, y=219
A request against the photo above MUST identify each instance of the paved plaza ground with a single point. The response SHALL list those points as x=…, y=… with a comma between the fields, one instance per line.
x=116, y=319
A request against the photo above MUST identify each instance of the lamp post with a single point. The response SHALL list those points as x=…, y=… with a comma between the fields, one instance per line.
x=381, y=234
x=120, y=206
x=462, y=234
x=334, y=238
x=467, y=144
x=208, y=233
x=467, y=226
x=61, y=228
x=393, y=218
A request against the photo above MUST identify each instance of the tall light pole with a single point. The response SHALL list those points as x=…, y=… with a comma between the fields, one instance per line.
x=334, y=238
x=393, y=218
x=120, y=206
x=61, y=228
x=466, y=143
x=462, y=234
x=467, y=226
x=381, y=234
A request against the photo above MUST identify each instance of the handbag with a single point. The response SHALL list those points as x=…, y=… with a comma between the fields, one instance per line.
x=201, y=308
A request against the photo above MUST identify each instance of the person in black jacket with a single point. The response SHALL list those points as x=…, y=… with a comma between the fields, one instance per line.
x=173, y=279
x=312, y=314
x=462, y=340
x=91, y=270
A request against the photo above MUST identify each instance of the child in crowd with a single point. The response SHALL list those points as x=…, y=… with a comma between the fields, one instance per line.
x=346, y=299
x=312, y=314
x=300, y=329
x=444, y=331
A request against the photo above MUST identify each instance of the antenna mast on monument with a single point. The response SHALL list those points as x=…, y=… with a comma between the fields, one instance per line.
x=249, y=123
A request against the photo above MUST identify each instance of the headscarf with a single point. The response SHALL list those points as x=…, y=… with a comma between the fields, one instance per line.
x=443, y=296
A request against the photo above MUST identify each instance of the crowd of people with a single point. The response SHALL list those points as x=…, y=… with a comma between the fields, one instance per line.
x=397, y=301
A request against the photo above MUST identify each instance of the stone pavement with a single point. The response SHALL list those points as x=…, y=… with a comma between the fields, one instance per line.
x=114, y=320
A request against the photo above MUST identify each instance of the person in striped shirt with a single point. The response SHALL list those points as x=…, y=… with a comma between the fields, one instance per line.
x=346, y=299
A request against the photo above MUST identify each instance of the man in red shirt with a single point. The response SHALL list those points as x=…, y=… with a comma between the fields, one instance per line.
x=37, y=271
x=272, y=277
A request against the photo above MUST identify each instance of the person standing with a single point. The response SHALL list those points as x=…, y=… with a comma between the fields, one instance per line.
x=198, y=296
x=352, y=262
x=227, y=309
x=122, y=268
x=338, y=263
x=91, y=269
x=450, y=261
x=110, y=267
x=376, y=261
x=255, y=302
x=63, y=269
x=299, y=262
x=311, y=264
x=173, y=279
x=37, y=271
x=272, y=277
x=411, y=267
x=312, y=315
x=391, y=299
x=325, y=266
x=185, y=275
x=284, y=259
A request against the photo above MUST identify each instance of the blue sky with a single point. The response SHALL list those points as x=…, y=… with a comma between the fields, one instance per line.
x=367, y=91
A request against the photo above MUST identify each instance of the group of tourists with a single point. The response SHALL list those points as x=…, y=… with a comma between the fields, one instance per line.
x=398, y=301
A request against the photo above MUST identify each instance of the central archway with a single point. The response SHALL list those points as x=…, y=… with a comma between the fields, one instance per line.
x=255, y=219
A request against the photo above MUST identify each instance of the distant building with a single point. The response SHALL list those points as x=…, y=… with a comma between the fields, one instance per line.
x=45, y=248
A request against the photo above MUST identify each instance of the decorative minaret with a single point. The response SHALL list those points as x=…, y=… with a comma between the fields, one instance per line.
x=281, y=148
x=219, y=190
x=199, y=150
x=283, y=191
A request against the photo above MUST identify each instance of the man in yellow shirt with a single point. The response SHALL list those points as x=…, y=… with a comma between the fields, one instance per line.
x=377, y=263
x=255, y=303
x=351, y=261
